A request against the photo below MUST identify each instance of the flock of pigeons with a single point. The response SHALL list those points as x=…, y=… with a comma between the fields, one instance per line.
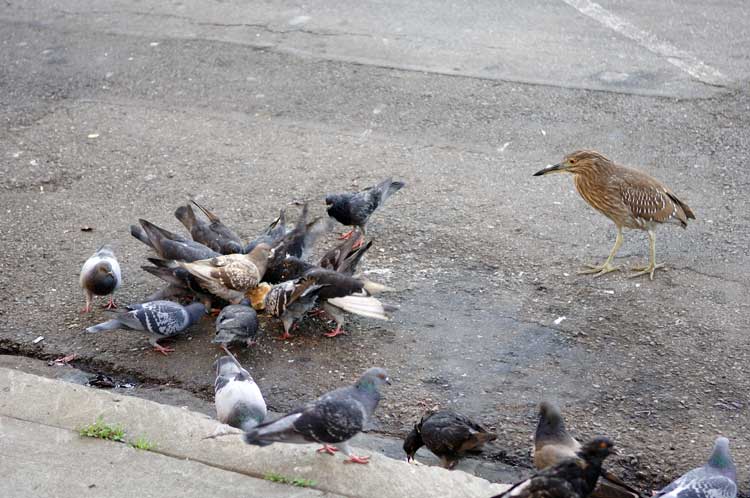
x=214, y=270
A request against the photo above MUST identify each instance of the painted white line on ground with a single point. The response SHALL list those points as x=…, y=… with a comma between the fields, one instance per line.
x=685, y=61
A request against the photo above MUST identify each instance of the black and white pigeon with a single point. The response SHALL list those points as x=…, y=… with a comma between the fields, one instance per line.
x=449, y=435
x=214, y=234
x=236, y=323
x=553, y=444
x=160, y=319
x=354, y=208
x=336, y=292
x=168, y=245
x=716, y=479
x=238, y=400
x=574, y=477
x=100, y=276
x=331, y=420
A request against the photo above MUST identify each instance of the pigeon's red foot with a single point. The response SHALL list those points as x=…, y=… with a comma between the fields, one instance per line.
x=358, y=459
x=318, y=312
x=85, y=309
x=163, y=350
x=110, y=305
x=327, y=448
x=335, y=332
x=347, y=235
x=358, y=244
x=285, y=337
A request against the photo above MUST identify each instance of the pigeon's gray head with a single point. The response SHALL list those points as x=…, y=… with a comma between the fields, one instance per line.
x=226, y=367
x=721, y=459
x=551, y=422
x=373, y=378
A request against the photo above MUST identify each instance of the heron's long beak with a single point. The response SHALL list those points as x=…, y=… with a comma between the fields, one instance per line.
x=552, y=168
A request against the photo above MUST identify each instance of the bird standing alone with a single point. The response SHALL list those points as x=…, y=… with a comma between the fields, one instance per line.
x=354, y=208
x=630, y=198
x=100, y=275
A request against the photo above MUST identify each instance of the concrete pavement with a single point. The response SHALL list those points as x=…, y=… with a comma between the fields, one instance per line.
x=41, y=453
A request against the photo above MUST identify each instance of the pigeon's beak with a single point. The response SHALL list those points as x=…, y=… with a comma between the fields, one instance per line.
x=388, y=381
x=110, y=274
x=552, y=168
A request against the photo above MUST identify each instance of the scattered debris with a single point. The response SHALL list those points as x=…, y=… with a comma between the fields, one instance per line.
x=87, y=229
x=38, y=340
x=559, y=320
x=62, y=361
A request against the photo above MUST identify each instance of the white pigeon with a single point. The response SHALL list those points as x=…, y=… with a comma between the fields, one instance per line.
x=100, y=276
x=239, y=402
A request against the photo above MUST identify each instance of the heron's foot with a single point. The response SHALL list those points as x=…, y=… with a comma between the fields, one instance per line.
x=599, y=270
x=643, y=270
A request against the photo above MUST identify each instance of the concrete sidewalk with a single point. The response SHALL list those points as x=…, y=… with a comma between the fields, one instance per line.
x=42, y=454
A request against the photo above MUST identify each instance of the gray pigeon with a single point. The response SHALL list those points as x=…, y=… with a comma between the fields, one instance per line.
x=272, y=235
x=332, y=419
x=100, y=275
x=236, y=323
x=716, y=479
x=161, y=319
x=239, y=402
x=170, y=245
x=215, y=234
x=354, y=208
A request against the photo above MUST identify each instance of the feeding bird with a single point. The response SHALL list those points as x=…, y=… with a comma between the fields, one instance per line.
x=716, y=479
x=354, y=208
x=553, y=444
x=236, y=323
x=238, y=400
x=573, y=477
x=338, y=293
x=100, y=276
x=272, y=235
x=230, y=276
x=332, y=419
x=214, y=235
x=161, y=319
x=629, y=197
x=170, y=245
x=447, y=434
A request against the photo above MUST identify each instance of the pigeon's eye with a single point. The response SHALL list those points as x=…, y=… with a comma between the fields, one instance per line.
x=572, y=161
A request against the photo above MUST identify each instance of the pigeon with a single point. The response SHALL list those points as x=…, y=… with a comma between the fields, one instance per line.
x=272, y=235
x=553, y=444
x=239, y=402
x=354, y=208
x=716, y=479
x=337, y=293
x=101, y=276
x=345, y=257
x=573, y=477
x=332, y=419
x=215, y=234
x=236, y=323
x=290, y=301
x=161, y=319
x=281, y=269
x=230, y=276
x=341, y=293
x=299, y=241
x=448, y=435
x=182, y=284
x=170, y=245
